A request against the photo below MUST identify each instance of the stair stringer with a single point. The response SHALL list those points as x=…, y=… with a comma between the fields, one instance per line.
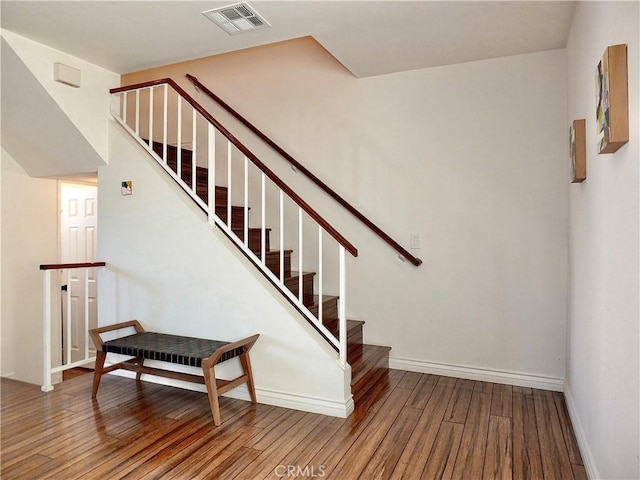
x=176, y=274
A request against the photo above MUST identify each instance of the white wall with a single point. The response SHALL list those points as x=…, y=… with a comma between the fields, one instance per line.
x=603, y=334
x=88, y=106
x=29, y=239
x=171, y=271
x=472, y=156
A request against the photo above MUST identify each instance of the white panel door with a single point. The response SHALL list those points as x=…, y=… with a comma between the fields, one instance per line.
x=78, y=229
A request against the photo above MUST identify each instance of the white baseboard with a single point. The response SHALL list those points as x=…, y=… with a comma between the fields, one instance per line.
x=289, y=400
x=583, y=445
x=9, y=375
x=481, y=374
x=293, y=401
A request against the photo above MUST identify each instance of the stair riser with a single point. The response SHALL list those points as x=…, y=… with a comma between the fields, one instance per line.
x=354, y=334
x=293, y=284
x=329, y=310
x=273, y=263
x=367, y=382
x=255, y=239
x=203, y=192
x=237, y=216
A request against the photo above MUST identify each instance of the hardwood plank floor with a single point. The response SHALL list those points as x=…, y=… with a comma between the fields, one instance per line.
x=410, y=426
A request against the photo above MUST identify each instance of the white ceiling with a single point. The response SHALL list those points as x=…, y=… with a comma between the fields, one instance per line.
x=367, y=37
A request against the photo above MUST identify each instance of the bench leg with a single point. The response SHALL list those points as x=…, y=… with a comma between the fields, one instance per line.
x=212, y=392
x=246, y=367
x=97, y=373
x=140, y=362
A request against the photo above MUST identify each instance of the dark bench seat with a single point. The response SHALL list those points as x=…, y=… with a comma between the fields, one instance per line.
x=189, y=351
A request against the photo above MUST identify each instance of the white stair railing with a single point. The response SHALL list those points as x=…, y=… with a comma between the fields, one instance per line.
x=63, y=326
x=160, y=115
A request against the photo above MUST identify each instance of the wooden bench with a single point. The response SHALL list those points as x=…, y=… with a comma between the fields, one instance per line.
x=194, y=352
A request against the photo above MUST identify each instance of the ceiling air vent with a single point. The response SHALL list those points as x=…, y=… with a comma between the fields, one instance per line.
x=237, y=18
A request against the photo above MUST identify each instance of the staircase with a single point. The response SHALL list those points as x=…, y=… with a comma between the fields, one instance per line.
x=368, y=362
x=161, y=114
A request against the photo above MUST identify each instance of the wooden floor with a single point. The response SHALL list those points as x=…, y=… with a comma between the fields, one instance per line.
x=412, y=426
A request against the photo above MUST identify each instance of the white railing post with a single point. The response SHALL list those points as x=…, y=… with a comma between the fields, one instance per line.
x=342, y=307
x=46, y=330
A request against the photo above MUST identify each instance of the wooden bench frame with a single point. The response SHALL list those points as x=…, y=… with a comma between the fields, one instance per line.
x=215, y=387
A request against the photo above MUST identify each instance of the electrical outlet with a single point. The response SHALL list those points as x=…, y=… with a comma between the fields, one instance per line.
x=416, y=241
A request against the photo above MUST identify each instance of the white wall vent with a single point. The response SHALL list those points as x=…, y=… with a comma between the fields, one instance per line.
x=236, y=18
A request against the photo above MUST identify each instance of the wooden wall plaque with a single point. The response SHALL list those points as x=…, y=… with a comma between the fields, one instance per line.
x=612, y=102
x=578, y=149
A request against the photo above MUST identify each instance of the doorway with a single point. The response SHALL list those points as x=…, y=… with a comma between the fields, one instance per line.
x=78, y=244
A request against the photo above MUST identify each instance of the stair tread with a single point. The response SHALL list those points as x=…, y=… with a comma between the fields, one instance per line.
x=354, y=323
x=251, y=229
x=325, y=298
x=354, y=332
x=295, y=273
x=233, y=207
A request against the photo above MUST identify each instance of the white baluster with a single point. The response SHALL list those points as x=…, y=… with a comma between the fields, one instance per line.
x=124, y=107
x=229, y=184
x=263, y=215
x=179, y=140
x=68, y=320
x=320, y=273
x=281, y=236
x=211, y=171
x=246, y=202
x=151, y=117
x=166, y=123
x=194, y=149
x=300, y=282
x=137, y=113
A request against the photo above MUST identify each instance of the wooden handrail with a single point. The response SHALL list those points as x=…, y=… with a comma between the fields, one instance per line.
x=247, y=153
x=378, y=231
x=66, y=266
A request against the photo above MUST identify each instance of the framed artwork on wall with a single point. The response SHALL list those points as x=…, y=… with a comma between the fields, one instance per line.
x=577, y=149
x=612, y=103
